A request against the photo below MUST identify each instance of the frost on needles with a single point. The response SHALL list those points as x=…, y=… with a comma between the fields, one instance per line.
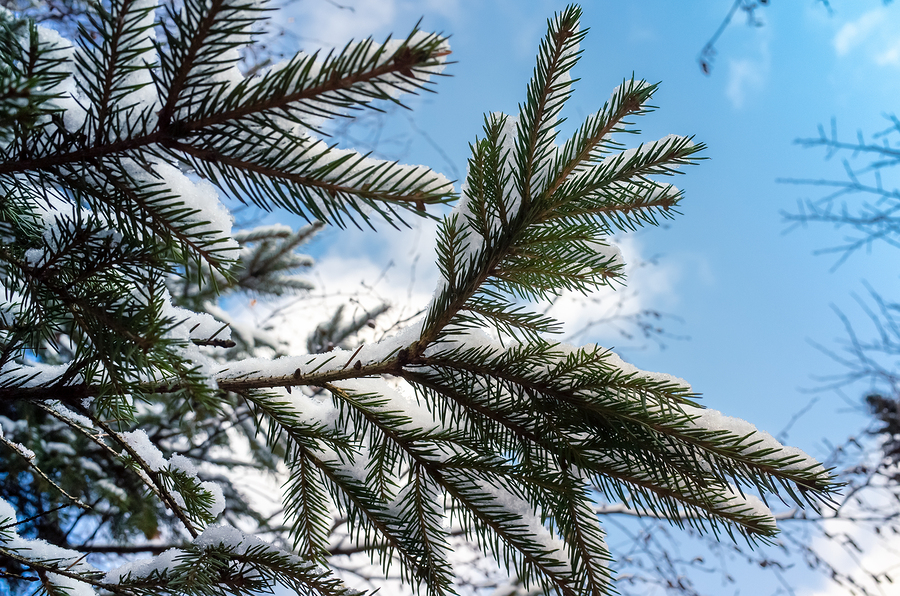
x=126, y=403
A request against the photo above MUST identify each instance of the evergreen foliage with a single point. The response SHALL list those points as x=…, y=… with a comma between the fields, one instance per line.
x=126, y=400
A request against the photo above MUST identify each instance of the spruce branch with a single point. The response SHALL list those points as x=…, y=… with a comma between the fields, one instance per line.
x=252, y=110
x=52, y=566
x=29, y=459
x=151, y=478
x=327, y=452
x=111, y=65
x=576, y=519
x=112, y=227
x=547, y=93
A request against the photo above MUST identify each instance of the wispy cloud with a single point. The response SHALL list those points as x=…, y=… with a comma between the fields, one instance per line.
x=875, y=35
x=607, y=315
x=330, y=24
x=854, y=33
x=366, y=269
x=327, y=25
x=748, y=76
x=745, y=77
x=362, y=270
x=858, y=549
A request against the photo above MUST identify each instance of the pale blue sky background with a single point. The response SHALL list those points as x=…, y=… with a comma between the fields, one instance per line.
x=751, y=297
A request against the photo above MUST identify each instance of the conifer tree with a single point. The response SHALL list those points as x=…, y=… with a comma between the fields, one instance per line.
x=127, y=393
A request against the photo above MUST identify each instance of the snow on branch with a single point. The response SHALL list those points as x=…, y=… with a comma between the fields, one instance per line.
x=116, y=245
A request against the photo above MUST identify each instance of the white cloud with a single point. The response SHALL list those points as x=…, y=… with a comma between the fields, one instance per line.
x=874, y=35
x=362, y=270
x=862, y=550
x=329, y=25
x=325, y=25
x=365, y=269
x=603, y=317
x=854, y=33
x=748, y=76
x=890, y=55
x=744, y=77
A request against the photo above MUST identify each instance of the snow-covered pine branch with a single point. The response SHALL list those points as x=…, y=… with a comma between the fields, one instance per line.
x=116, y=247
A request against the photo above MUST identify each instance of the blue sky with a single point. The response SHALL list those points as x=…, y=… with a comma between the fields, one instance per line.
x=750, y=296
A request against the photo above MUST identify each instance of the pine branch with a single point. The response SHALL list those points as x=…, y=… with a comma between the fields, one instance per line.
x=306, y=501
x=201, y=45
x=547, y=93
x=29, y=459
x=151, y=479
x=590, y=555
x=593, y=140
x=127, y=549
x=511, y=435
x=51, y=566
x=111, y=65
x=482, y=510
x=421, y=502
x=255, y=110
x=731, y=452
x=365, y=511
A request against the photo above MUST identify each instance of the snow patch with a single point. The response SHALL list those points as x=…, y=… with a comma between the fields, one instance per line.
x=39, y=550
